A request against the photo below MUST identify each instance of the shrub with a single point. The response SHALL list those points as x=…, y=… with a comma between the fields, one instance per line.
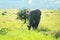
x=4, y=13
x=57, y=34
x=3, y=31
x=43, y=29
x=22, y=15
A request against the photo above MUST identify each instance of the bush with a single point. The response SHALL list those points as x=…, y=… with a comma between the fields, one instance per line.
x=22, y=15
x=45, y=29
x=57, y=34
x=3, y=31
x=4, y=13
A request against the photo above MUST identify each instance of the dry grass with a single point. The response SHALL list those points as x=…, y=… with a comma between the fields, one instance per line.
x=18, y=30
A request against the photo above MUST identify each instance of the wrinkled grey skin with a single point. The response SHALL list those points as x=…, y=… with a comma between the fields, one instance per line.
x=34, y=19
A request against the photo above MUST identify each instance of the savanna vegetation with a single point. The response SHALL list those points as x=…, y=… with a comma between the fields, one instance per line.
x=15, y=29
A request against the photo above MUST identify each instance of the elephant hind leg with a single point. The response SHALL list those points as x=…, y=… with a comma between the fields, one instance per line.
x=34, y=26
x=29, y=27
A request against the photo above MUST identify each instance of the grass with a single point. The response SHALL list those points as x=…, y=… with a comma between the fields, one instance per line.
x=25, y=35
x=19, y=31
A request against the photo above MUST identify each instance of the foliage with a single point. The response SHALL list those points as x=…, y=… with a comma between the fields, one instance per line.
x=4, y=13
x=18, y=32
x=22, y=14
x=45, y=29
x=3, y=31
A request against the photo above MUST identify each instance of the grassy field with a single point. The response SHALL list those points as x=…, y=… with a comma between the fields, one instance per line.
x=50, y=21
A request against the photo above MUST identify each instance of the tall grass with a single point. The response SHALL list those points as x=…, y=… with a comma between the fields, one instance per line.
x=18, y=30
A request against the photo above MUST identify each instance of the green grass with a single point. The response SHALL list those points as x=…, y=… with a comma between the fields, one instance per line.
x=25, y=35
x=19, y=31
